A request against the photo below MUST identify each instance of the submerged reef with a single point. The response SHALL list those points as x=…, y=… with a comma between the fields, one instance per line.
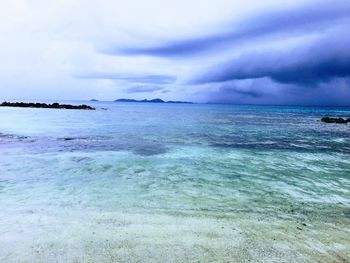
x=335, y=120
x=48, y=106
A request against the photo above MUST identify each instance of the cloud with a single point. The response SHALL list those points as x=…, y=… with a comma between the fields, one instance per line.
x=242, y=51
x=307, y=65
x=133, y=78
x=144, y=88
x=302, y=19
x=266, y=91
x=228, y=91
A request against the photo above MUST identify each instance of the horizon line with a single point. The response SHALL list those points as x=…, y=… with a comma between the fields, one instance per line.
x=186, y=102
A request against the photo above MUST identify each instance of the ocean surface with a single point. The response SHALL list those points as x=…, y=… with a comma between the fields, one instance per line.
x=142, y=182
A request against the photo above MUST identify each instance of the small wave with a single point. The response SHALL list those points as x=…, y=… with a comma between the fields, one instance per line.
x=83, y=138
x=12, y=136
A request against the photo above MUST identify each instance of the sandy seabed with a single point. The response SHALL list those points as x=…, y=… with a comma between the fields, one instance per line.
x=163, y=237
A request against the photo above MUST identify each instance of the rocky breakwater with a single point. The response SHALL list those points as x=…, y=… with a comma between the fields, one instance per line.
x=46, y=106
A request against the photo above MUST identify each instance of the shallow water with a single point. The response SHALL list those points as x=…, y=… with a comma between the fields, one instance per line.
x=174, y=183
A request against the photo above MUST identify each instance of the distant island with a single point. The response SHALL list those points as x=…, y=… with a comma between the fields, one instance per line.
x=94, y=100
x=46, y=106
x=152, y=101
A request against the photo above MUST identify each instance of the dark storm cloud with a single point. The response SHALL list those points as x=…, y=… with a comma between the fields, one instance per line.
x=301, y=56
x=266, y=91
x=306, y=65
x=158, y=79
x=239, y=91
x=231, y=90
x=315, y=17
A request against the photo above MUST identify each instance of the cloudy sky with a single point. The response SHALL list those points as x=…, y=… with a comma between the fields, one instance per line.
x=227, y=51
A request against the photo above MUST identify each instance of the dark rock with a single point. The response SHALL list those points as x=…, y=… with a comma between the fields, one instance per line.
x=46, y=106
x=55, y=105
x=334, y=120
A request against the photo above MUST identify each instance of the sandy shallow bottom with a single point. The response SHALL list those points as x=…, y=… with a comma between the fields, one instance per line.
x=91, y=236
x=97, y=208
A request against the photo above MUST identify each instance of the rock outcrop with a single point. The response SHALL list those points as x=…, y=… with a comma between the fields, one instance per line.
x=335, y=120
x=46, y=106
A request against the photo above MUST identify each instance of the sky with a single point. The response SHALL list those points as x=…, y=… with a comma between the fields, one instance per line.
x=289, y=52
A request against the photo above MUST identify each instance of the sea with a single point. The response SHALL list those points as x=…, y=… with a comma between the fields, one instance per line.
x=158, y=182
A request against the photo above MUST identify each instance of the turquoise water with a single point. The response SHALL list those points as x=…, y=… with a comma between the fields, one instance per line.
x=174, y=183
